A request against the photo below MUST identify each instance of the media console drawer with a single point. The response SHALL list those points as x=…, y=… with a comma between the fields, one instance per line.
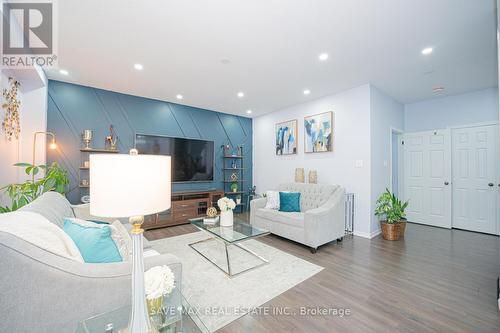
x=185, y=214
x=183, y=205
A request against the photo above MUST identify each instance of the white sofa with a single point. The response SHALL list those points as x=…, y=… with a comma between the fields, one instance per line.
x=321, y=217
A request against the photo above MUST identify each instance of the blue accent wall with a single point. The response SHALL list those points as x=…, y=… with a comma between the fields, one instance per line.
x=74, y=108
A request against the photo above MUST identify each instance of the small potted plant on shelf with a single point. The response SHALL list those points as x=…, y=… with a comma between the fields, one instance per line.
x=234, y=186
x=238, y=199
x=391, y=211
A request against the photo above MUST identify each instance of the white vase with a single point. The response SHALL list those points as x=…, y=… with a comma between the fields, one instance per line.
x=226, y=218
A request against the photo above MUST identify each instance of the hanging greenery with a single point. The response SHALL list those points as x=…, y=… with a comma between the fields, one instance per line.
x=10, y=122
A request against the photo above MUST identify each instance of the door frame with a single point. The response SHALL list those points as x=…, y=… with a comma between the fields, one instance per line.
x=399, y=132
x=484, y=123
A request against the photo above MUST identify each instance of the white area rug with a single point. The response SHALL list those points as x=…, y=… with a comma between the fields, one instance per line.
x=206, y=287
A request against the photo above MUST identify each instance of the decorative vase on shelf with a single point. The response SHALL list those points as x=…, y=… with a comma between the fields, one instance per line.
x=299, y=175
x=226, y=218
x=313, y=177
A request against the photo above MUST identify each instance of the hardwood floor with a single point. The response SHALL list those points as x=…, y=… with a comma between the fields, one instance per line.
x=435, y=280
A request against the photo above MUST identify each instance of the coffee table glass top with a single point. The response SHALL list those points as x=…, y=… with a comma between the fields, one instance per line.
x=240, y=230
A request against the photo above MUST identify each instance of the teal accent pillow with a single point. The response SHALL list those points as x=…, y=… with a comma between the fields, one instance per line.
x=290, y=202
x=93, y=240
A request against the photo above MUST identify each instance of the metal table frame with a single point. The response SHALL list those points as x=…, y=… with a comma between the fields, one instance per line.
x=226, y=245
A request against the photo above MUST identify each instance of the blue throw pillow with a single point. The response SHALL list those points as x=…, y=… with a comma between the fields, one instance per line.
x=290, y=202
x=93, y=240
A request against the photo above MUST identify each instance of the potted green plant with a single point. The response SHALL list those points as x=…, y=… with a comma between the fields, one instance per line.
x=234, y=186
x=55, y=179
x=391, y=211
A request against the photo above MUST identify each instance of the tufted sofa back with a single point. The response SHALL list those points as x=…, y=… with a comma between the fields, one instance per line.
x=311, y=195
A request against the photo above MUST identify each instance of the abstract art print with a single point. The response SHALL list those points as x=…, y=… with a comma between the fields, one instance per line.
x=318, y=133
x=286, y=137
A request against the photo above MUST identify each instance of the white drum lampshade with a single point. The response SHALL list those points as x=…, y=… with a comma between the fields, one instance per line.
x=129, y=185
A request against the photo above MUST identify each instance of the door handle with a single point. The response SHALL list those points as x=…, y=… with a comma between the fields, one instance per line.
x=446, y=183
x=490, y=184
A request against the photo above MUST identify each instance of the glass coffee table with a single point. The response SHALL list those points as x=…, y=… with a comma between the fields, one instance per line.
x=230, y=237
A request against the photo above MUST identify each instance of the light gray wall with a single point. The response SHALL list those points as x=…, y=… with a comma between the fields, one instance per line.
x=351, y=142
x=33, y=118
x=469, y=108
x=386, y=114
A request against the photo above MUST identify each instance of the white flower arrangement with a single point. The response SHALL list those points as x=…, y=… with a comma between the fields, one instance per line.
x=159, y=281
x=225, y=204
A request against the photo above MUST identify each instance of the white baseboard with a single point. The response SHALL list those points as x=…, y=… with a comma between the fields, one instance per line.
x=368, y=235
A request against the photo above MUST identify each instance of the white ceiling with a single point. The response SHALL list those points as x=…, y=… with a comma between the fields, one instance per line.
x=273, y=47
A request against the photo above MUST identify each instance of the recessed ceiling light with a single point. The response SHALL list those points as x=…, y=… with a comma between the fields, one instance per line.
x=307, y=92
x=139, y=67
x=249, y=111
x=438, y=89
x=63, y=72
x=241, y=94
x=427, y=50
x=323, y=56
x=179, y=96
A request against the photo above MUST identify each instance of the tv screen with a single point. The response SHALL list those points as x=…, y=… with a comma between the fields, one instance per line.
x=192, y=160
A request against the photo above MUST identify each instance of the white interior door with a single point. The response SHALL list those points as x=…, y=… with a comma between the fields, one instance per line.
x=427, y=160
x=474, y=178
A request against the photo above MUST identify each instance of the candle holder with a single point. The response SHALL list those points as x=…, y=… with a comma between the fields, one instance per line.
x=87, y=138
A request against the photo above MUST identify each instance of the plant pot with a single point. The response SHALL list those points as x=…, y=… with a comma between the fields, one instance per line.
x=226, y=218
x=390, y=231
x=402, y=228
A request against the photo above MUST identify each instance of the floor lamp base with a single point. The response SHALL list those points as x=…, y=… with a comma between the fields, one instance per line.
x=139, y=318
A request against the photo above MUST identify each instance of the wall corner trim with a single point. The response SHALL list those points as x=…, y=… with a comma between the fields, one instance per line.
x=368, y=235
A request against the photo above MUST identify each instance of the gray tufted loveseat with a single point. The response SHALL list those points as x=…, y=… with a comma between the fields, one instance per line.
x=320, y=220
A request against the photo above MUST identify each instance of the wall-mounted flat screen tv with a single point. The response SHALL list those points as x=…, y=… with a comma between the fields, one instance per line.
x=192, y=159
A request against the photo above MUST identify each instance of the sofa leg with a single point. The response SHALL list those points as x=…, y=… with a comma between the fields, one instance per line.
x=340, y=239
x=313, y=250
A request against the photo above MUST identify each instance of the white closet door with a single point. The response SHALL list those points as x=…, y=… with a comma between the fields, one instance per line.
x=427, y=177
x=474, y=178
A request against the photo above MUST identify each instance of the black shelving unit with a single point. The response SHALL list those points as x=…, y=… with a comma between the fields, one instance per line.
x=227, y=171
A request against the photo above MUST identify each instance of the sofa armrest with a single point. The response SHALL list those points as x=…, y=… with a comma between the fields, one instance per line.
x=255, y=205
x=326, y=223
x=258, y=203
x=83, y=212
x=75, y=291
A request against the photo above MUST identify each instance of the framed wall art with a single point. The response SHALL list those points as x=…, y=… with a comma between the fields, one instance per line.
x=318, y=133
x=286, y=137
